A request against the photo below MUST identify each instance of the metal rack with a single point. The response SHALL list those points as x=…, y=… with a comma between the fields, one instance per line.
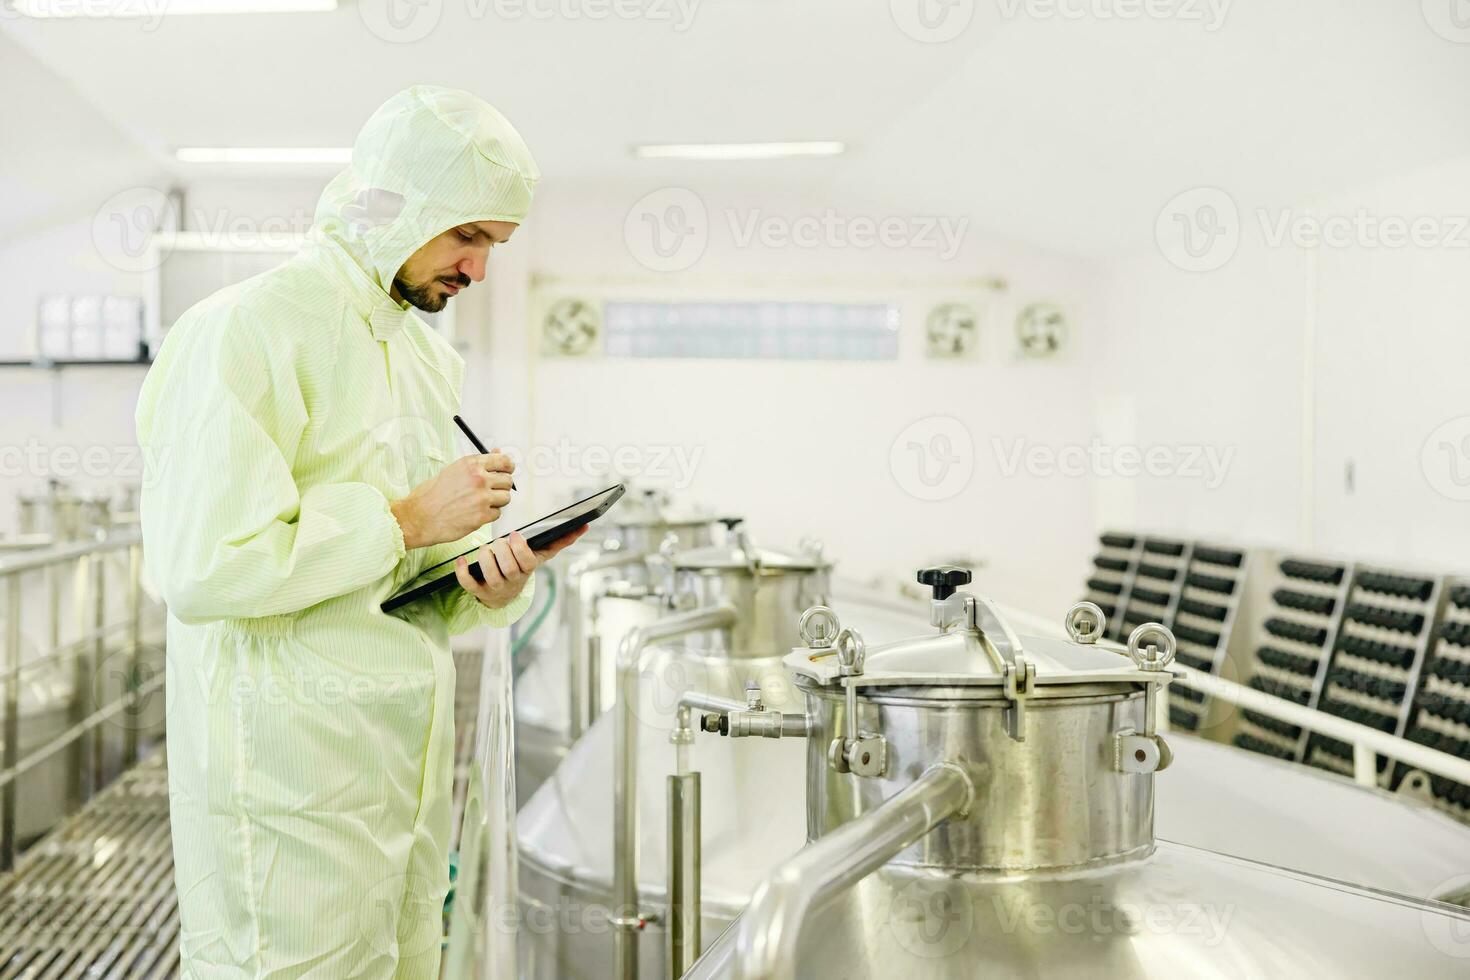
x=1113, y=570
x=1158, y=579
x=1291, y=649
x=1203, y=618
x=1439, y=714
x=1192, y=587
x=1383, y=637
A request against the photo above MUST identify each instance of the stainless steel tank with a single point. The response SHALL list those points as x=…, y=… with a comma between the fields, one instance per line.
x=982, y=803
x=608, y=587
x=752, y=819
x=734, y=616
x=54, y=514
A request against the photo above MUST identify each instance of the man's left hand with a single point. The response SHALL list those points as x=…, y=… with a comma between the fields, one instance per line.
x=506, y=563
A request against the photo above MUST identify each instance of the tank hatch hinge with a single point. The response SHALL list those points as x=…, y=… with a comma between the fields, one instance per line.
x=1018, y=680
x=866, y=755
x=1137, y=753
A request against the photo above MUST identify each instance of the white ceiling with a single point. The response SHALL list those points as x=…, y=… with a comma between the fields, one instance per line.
x=1068, y=133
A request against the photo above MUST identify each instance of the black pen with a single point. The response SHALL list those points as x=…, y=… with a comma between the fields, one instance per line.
x=474, y=439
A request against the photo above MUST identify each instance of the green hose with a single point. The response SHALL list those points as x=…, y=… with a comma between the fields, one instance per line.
x=519, y=643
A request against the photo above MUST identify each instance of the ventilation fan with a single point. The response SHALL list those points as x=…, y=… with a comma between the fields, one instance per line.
x=952, y=330
x=571, y=328
x=1041, y=329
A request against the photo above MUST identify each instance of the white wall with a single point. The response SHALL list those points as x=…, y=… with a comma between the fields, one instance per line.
x=1302, y=362
x=1393, y=368
x=1206, y=365
x=803, y=448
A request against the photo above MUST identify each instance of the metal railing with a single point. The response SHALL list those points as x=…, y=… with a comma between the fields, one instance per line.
x=1368, y=743
x=89, y=711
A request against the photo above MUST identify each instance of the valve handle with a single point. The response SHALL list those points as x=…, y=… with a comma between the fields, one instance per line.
x=944, y=579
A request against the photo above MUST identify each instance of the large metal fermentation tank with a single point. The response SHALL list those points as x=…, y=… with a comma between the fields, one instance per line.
x=608, y=586
x=982, y=803
x=736, y=611
x=753, y=810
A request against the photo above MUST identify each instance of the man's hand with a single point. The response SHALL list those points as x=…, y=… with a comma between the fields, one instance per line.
x=506, y=563
x=466, y=495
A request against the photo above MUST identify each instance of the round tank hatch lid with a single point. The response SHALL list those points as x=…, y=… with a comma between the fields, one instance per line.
x=982, y=657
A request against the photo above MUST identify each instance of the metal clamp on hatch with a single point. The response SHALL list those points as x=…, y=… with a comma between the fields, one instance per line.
x=1151, y=647
x=858, y=752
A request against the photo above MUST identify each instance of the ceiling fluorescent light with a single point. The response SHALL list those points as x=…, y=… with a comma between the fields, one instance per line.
x=124, y=8
x=265, y=154
x=738, y=151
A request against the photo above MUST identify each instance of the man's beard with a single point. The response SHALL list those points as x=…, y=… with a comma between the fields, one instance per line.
x=425, y=296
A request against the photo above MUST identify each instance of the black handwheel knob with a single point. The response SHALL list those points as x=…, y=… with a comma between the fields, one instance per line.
x=944, y=579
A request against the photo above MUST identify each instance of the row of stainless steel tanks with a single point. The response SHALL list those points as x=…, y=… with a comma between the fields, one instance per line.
x=701, y=722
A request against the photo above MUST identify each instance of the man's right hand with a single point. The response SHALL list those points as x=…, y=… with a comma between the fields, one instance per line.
x=466, y=495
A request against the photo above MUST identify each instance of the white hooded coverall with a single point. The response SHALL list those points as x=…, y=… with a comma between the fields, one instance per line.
x=310, y=736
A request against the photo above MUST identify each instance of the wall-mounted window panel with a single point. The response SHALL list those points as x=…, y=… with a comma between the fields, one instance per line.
x=752, y=330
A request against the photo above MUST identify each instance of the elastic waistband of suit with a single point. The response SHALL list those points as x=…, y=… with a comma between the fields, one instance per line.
x=262, y=625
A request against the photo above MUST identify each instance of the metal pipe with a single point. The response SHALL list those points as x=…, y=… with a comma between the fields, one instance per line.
x=577, y=626
x=594, y=674
x=700, y=701
x=1416, y=755
x=40, y=661
x=684, y=863
x=1365, y=765
x=61, y=554
x=495, y=754
x=12, y=720
x=73, y=734
x=766, y=943
x=626, y=918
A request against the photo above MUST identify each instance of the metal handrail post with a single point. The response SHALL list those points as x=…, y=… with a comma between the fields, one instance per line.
x=99, y=652
x=133, y=715
x=12, y=719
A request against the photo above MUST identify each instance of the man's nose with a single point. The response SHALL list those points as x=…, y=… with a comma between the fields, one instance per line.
x=474, y=265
